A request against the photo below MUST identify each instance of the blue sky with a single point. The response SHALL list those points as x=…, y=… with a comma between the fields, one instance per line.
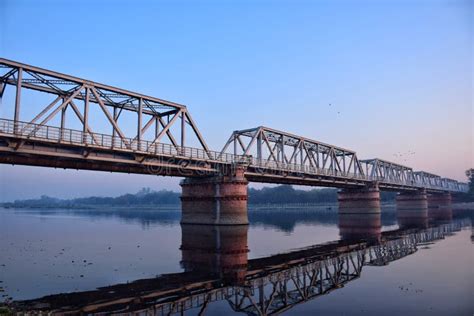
x=397, y=73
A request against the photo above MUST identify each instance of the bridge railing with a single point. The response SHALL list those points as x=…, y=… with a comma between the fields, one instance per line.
x=264, y=164
x=267, y=166
x=25, y=130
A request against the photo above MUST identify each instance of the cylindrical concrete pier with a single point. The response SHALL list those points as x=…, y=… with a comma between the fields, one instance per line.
x=218, y=250
x=412, y=209
x=220, y=200
x=359, y=201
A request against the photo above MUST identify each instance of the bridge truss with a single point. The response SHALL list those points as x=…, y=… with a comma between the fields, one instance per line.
x=78, y=95
x=281, y=157
x=277, y=149
x=160, y=133
x=159, y=141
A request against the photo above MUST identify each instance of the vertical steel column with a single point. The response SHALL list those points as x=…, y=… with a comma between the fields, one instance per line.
x=17, y=101
x=157, y=126
x=282, y=149
x=139, y=123
x=183, y=131
x=63, y=122
x=259, y=145
x=301, y=154
x=235, y=144
x=344, y=162
x=86, y=116
x=114, y=133
x=157, y=131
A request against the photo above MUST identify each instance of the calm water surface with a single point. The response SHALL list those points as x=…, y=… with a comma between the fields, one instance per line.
x=423, y=268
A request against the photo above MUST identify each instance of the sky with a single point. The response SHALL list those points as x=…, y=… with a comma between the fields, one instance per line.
x=398, y=74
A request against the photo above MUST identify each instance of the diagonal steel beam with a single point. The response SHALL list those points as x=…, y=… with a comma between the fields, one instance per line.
x=45, y=110
x=59, y=108
x=168, y=133
x=81, y=118
x=247, y=150
x=166, y=127
x=240, y=142
x=197, y=133
x=110, y=118
x=272, y=153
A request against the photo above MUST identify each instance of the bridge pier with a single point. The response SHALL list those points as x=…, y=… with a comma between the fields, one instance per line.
x=359, y=201
x=439, y=206
x=218, y=200
x=412, y=209
x=360, y=213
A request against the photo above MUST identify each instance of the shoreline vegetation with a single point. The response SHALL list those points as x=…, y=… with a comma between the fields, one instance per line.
x=283, y=196
x=279, y=196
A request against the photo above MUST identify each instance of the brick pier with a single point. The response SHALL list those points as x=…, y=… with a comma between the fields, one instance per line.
x=412, y=209
x=219, y=200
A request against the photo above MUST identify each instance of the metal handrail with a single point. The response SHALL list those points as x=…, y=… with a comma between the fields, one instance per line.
x=104, y=141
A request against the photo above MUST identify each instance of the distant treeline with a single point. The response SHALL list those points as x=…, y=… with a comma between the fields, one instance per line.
x=286, y=194
x=145, y=197
x=468, y=196
x=283, y=194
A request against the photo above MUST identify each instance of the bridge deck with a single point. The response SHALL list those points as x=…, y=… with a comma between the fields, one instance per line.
x=42, y=145
x=270, y=155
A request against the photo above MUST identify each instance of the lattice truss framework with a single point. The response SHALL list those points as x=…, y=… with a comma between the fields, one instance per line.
x=266, y=147
x=77, y=95
x=269, y=147
x=379, y=169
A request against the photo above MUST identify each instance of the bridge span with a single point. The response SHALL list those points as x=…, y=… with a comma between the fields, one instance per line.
x=215, y=181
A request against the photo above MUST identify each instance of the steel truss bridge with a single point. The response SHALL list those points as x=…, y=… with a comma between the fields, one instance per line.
x=272, y=285
x=159, y=141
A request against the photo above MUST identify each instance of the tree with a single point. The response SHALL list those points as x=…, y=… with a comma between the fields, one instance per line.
x=470, y=176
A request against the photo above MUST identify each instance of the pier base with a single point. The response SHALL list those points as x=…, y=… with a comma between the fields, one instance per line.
x=359, y=201
x=412, y=209
x=439, y=206
x=220, y=200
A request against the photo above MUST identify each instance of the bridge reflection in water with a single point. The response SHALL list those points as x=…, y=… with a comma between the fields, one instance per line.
x=217, y=268
x=221, y=251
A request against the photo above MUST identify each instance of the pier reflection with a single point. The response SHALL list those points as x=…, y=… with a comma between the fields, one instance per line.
x=365, y=224
x=441, y=213
x=221, y=251
x=217, y=269
x=360, y=226
x=412, y=218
